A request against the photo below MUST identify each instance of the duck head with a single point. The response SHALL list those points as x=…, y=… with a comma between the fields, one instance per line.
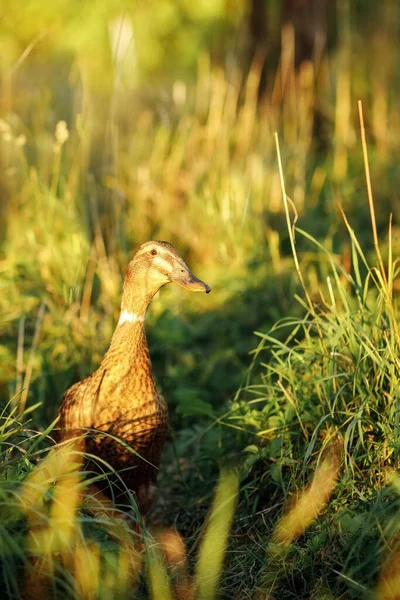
x=154, y=265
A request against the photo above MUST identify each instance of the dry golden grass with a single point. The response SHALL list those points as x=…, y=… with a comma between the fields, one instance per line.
x=309, y=503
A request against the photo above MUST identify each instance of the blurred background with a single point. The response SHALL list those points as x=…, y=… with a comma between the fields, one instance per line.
x=125, y=121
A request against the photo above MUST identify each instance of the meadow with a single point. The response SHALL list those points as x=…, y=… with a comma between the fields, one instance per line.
x=124, y=124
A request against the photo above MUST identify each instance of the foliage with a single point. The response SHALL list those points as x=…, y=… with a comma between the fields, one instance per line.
x=111, y=137
x=60, y=539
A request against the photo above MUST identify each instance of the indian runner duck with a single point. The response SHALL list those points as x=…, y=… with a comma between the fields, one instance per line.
x=117, y=410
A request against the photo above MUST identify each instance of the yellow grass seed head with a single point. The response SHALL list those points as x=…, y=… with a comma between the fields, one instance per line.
x=309, y=504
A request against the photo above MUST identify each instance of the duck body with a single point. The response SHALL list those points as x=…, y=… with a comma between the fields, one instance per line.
x=117, y=411
x=120, y=399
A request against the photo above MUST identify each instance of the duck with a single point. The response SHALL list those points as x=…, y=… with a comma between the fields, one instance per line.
x=116, y=412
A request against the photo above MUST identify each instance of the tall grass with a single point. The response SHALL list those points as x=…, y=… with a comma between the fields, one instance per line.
x=52, y=547
x=333, y=383
x=333, y=380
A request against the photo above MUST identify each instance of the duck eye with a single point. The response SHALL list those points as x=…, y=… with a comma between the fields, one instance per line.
x=153, y=252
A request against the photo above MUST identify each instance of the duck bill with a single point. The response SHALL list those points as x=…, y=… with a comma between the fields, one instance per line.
x=185, y=278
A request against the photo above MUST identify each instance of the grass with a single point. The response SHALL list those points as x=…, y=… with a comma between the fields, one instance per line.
x=305, y=428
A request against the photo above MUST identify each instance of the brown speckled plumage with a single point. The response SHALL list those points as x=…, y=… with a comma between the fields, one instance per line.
x=120, y=399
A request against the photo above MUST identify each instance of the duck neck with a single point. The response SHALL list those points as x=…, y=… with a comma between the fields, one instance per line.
x=129, y=344
x=134, y=306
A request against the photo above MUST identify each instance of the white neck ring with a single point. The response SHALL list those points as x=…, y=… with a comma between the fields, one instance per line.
x=128, y=317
